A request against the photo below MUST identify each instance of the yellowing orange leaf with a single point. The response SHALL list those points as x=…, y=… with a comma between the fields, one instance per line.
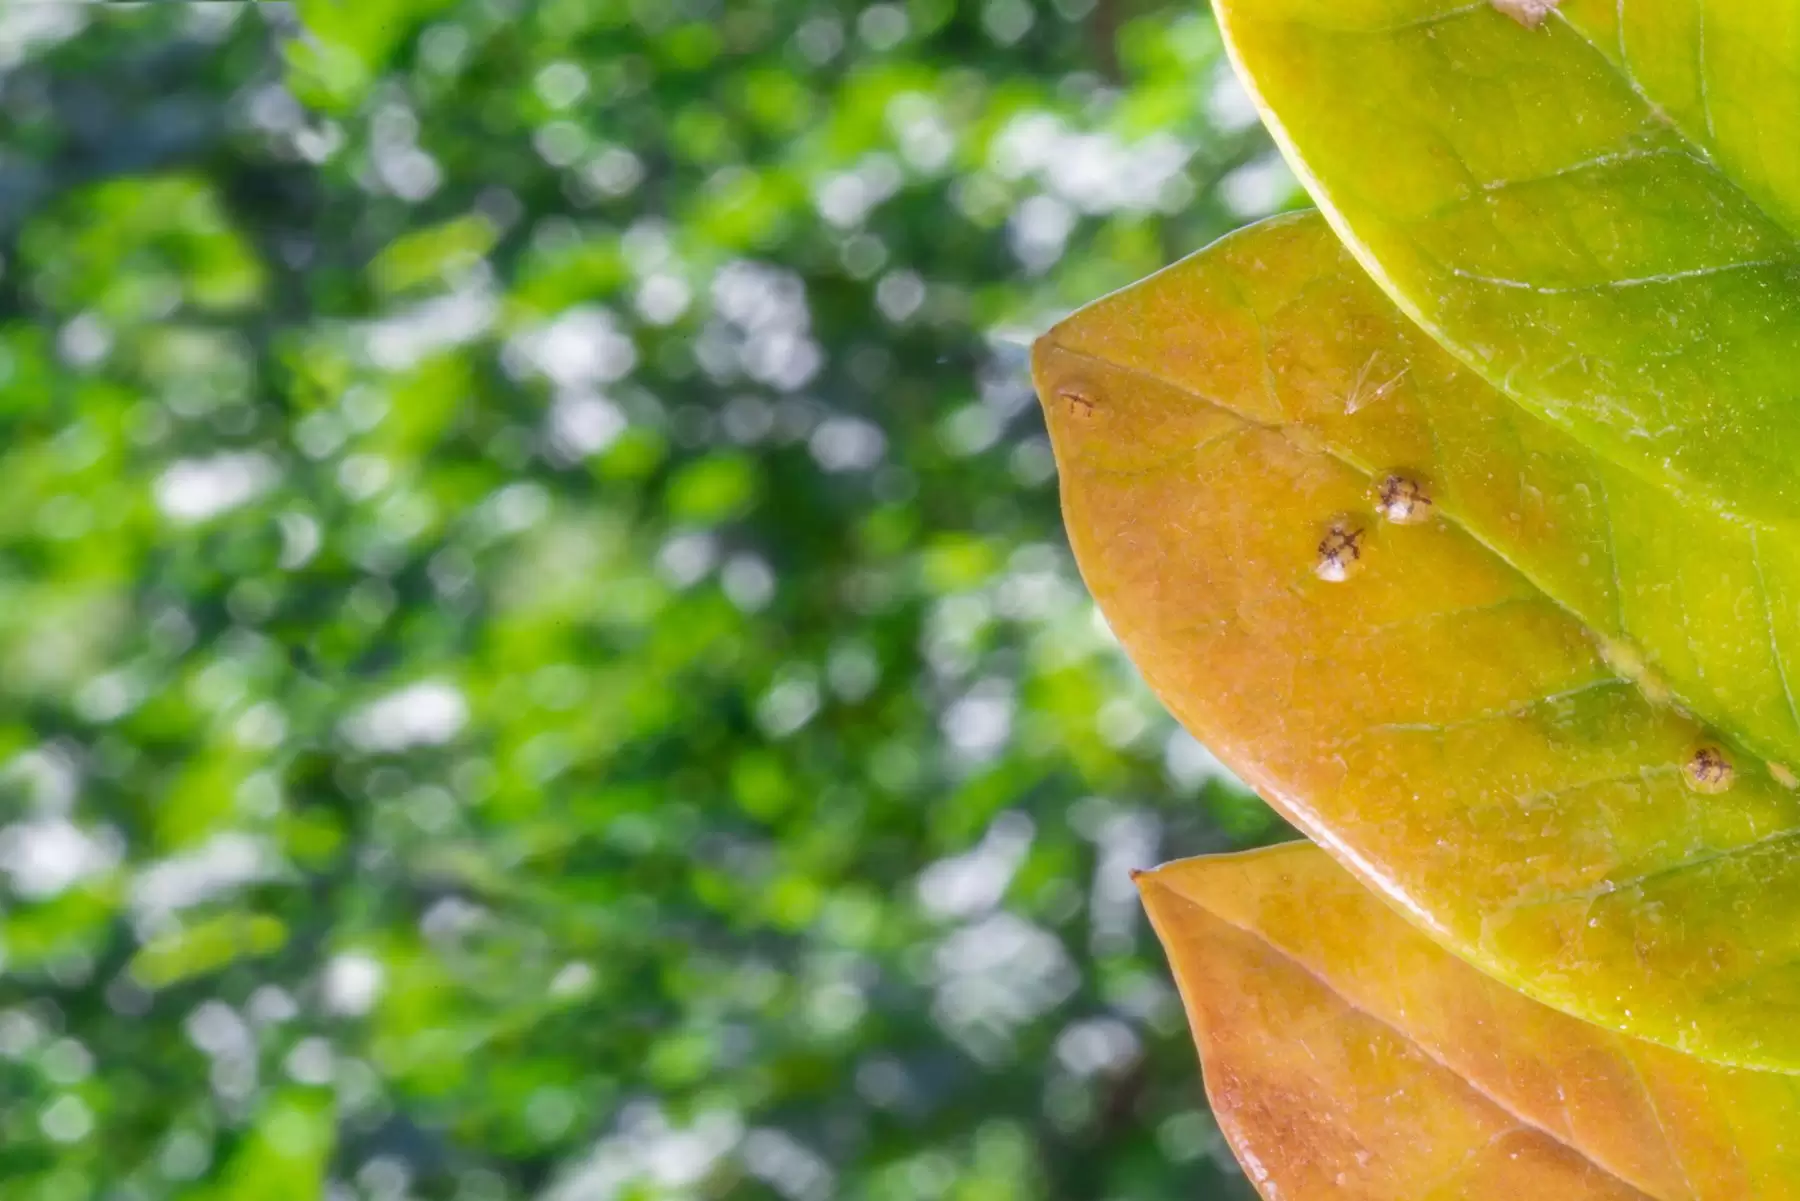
x=1301, y=517
x=1348, y=1057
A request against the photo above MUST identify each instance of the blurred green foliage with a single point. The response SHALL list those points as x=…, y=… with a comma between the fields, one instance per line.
x=538, y=655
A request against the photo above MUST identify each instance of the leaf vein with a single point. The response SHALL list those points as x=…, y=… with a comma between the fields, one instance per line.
x=1639, y=281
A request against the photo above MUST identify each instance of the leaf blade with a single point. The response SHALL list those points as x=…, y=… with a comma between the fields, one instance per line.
x=1719, y=630
x=1289, y=920
x=1519, y=199
x=1721, y=73
x=1440, y=721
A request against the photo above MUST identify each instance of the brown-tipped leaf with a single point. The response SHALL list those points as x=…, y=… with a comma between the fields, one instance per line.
x=1348, y=1057
x=1302, y=519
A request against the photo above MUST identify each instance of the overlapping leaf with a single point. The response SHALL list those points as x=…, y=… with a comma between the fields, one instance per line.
x=1348, y=1057
x=1526, y=196
x=1444, y=721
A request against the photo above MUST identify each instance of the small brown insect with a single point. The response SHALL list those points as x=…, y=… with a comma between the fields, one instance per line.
x=1079, y=404
x=1403, y=500
x=1708, y=770
x=1340, y=550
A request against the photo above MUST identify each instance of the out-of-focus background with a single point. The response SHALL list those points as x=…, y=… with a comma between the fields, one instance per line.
x=537, y=654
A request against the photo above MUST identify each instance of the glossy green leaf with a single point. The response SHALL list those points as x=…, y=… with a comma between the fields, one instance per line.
x=1348, y=1057
x=1235, y=436
x=1523, y=194
x=1726, y=75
